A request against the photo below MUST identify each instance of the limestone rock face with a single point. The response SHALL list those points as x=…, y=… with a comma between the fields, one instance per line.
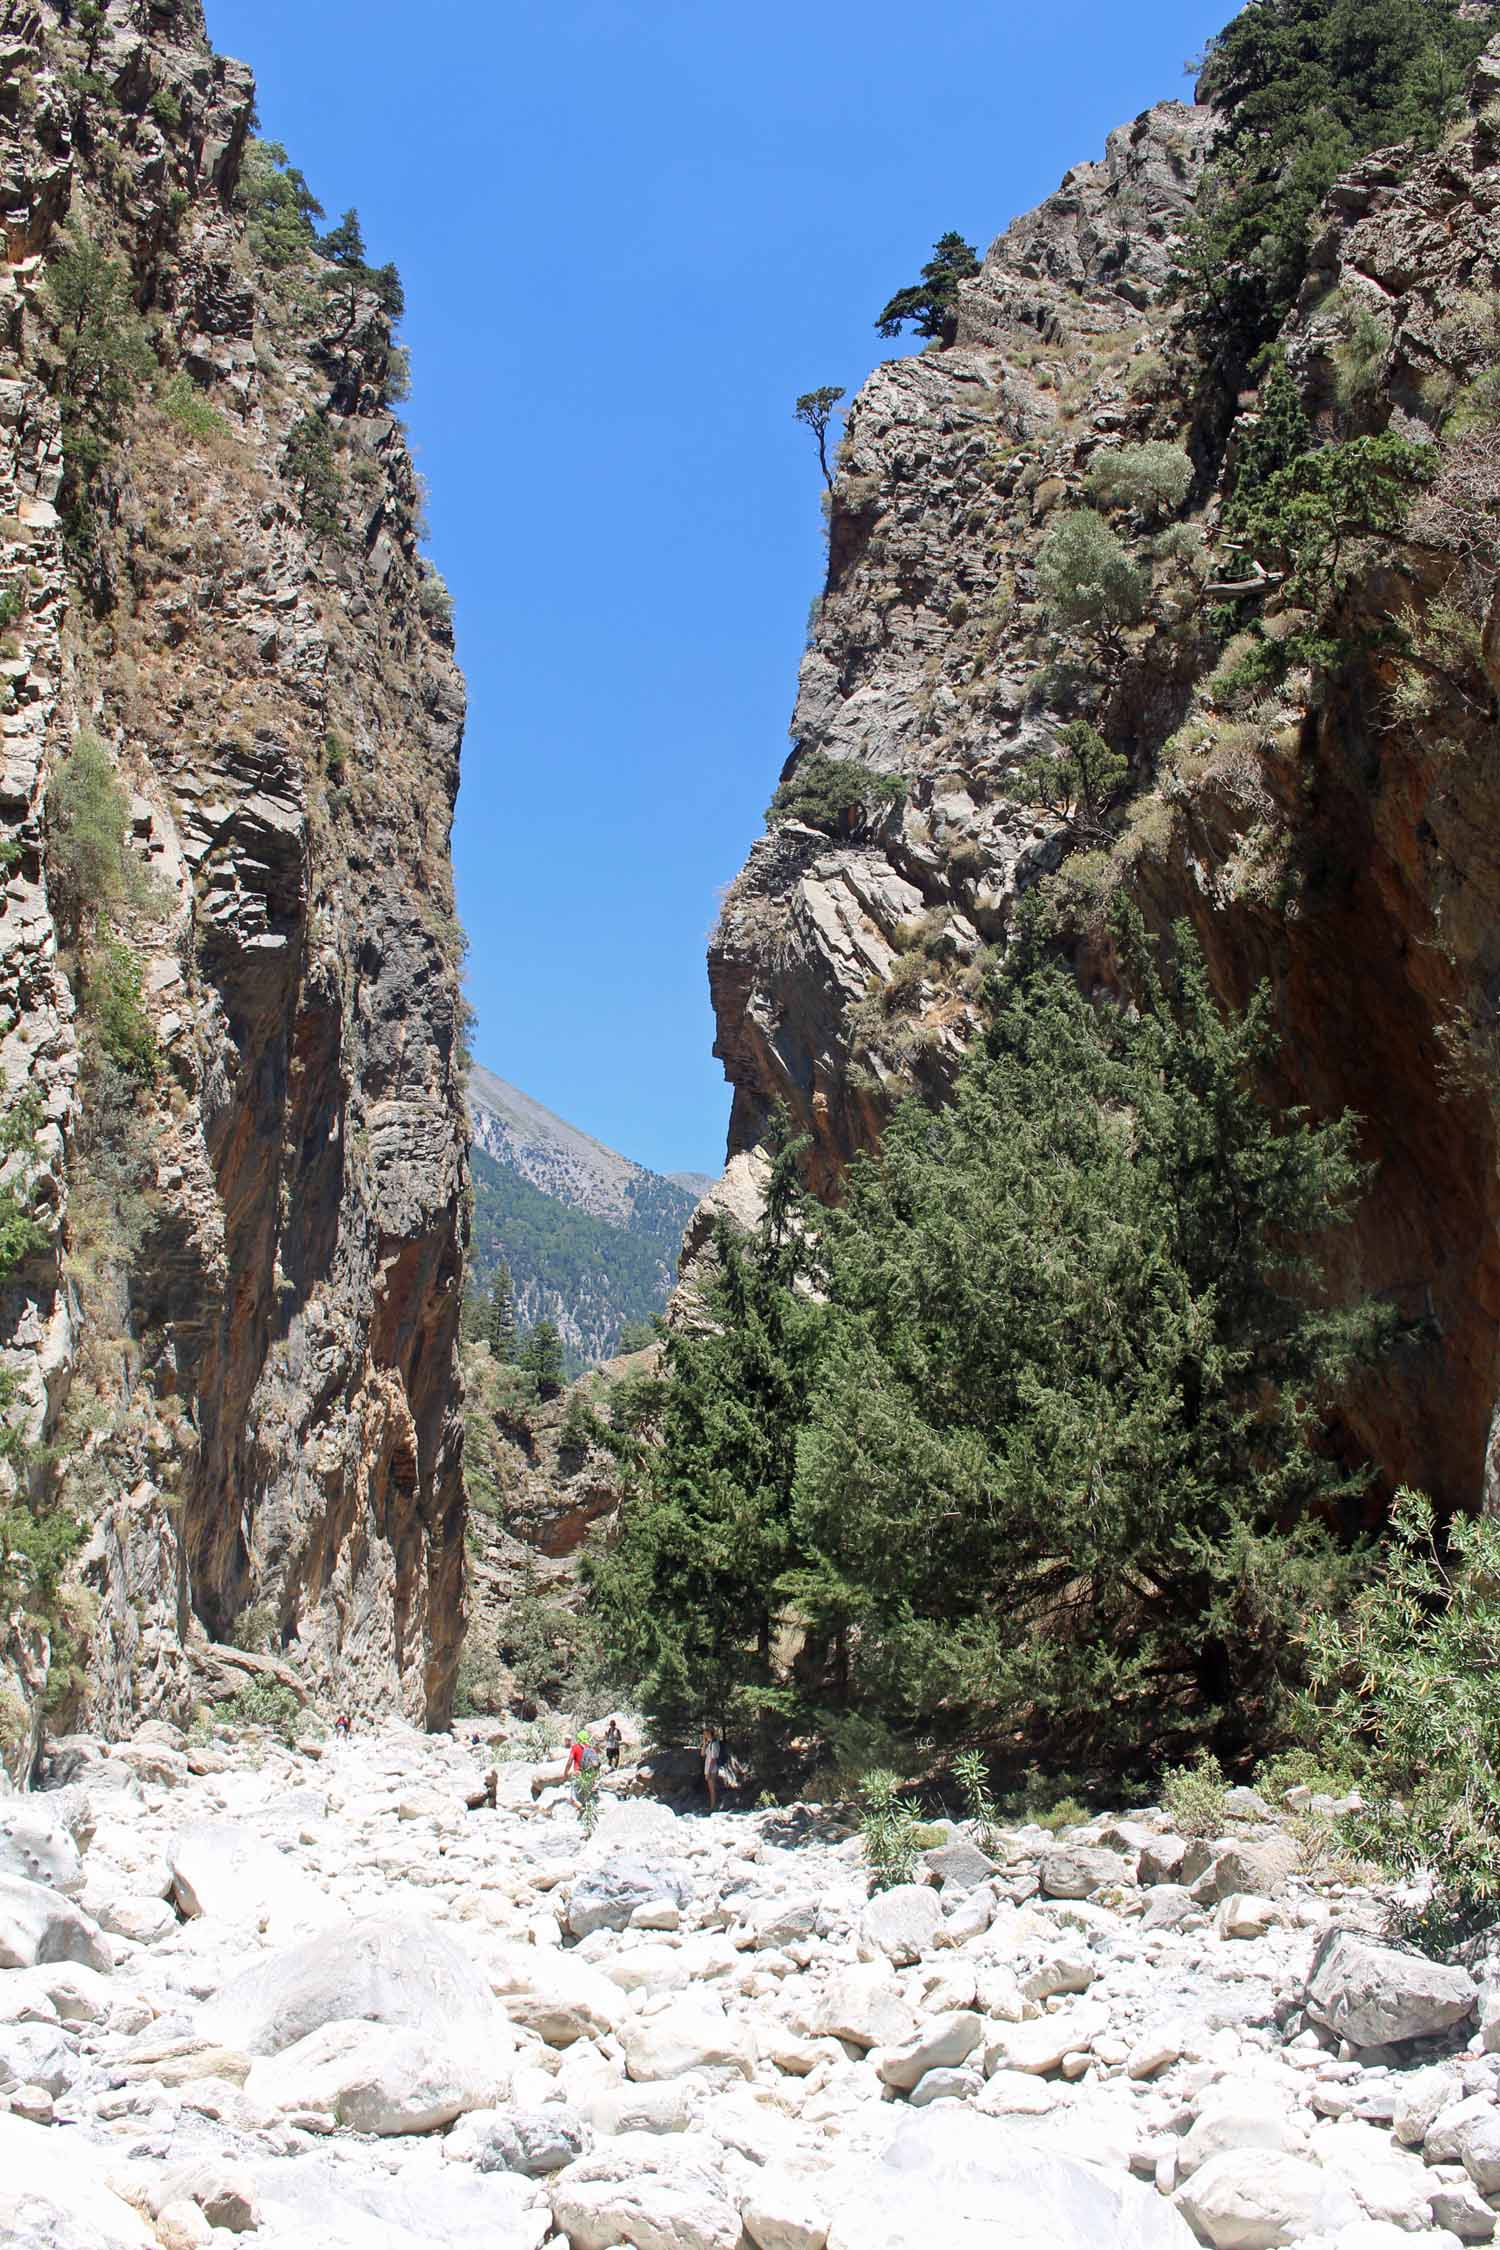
x=1339, y=849
x=240, y=1334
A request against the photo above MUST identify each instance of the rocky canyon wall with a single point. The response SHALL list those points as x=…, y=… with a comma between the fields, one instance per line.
x=1335, y=836
x=231, y=1354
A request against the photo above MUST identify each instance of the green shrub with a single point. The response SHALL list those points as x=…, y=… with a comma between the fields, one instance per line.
x=88, y=824
x=310, y=466
x=834, y=794
x=1153, y=478
x=1087, y=580
x=1308, y=516
x=979, y=1805
x=166, y=109
x=12, y=603
x=183, y=403
x=112, y=993
x=1406, y=1679
x=889, y=1832
x=106, y=356
x=280, y=205
x=263, y=1703
x=36, y=1545
x=433, y=598
x=1193, y=1797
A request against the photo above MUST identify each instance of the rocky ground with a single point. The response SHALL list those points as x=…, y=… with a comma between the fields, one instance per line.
x=306, y=1994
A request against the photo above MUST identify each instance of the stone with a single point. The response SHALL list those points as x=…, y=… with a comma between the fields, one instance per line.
x=223, y=2192
x=40, y=1925
x=47, y=2204
x=36, y=2054
x=1421, y=2096
x=1478, y=2150
x=144, y=1921
x=1161, y=1860
x=692, y=2032
x=182, y=2226
x=865, y=2005
x=1081, y=1870
x=532, y=2142
x=1256, y=2199
x=660, y=2106
x=1371, y=1994
x=902, y=1923
x=637, y=2193
x=958, y=1867
x=606, y=1897
x=1039, y=2046
x=1458, y=2204
x=1168, y=1906
x=944, y=2085
x=1244, y=1915
x=953, y=2177
x=372, y=2078
x=1443, y=2141
x=222, y=1868
x=556, y=1995
x=785, y=2210
x=1238, y=2118
x=402, y=1971
x=1262, y=1869
x=38, y=1848
x=939, y=2044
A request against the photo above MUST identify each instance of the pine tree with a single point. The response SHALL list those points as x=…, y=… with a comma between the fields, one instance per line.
x=931, y=304
x=541, y=1355
x=1063, y=1465
x=688, y=1600
x=500, y=1325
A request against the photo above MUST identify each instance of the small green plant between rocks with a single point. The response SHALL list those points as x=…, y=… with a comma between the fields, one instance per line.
x=889, y=1831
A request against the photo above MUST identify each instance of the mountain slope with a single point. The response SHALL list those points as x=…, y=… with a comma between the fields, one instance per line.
x=590, y=1237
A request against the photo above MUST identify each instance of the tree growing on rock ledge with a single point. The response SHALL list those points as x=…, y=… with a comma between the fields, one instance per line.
x=931, y=304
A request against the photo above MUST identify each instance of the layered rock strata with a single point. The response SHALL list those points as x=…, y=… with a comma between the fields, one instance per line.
x=235, y=1361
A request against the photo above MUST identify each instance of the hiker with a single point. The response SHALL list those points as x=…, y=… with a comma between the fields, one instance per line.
x=713, y=1758
x=582, y=1758
x=341, y=1726
x=612, y=1741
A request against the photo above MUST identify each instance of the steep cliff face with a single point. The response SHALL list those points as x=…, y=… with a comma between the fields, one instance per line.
x=234, y=1360
x=1334, y=834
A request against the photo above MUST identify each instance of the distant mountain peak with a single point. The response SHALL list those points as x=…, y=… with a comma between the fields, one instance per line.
x=591, y=1237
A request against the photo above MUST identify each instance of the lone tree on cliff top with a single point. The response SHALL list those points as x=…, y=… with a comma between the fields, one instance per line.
x=815, y=408
x=931, y=304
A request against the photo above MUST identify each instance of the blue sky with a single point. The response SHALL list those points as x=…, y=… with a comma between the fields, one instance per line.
x=631, y=232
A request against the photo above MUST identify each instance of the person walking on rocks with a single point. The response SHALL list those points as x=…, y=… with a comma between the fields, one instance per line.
x=713, y=1758
x=612, y=1741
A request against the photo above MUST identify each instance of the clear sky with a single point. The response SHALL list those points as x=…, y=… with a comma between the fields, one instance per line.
x=631, y=232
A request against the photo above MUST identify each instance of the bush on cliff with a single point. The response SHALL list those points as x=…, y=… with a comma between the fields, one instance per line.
x=833, y=794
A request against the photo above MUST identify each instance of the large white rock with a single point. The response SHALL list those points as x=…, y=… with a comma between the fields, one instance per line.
x=939, y=2044
x=391, y=1969
x=902, y=1923
x=1421, y=2097
x=38, y=1924
x=691, y=2033
x=950, y=2177
x=373, y=2078
x=1386, y=2182
x=786, y=2210
x=865, y=2005
x=647, y=2194
x=38, y=1848
x=225, y=1869
x=606, y=1897
x=1239, y=2117
x=555, y=1994
x=1371, y=1994
x=1079, y=1870
x=52, y=2201
x=1257, y=2199
x=1040, y=2045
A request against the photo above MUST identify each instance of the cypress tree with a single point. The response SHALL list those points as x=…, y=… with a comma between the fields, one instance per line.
x=500, y=1326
